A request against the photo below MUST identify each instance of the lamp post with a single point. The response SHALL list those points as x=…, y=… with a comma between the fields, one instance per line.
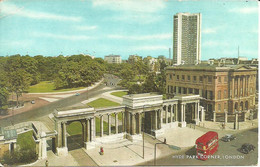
x=164, y=142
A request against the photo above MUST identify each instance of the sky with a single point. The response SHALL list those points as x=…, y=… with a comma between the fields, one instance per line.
x=124, y=27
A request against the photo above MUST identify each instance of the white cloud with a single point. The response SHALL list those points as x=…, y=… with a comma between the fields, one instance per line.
x=131, y=5
x=61, y=36
x=245, y=10
x=151, y=47
x=209, y=30
x=85, y=28
x=10, y=9
x=141, y=37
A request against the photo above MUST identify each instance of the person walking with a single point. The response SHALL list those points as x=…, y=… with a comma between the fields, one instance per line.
x=46, y=163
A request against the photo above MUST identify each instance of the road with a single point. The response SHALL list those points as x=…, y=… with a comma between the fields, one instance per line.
x=33, y=114
x=227, y=153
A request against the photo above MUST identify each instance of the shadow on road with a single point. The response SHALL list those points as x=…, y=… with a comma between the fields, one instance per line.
x=191, y=151
x=74, y=142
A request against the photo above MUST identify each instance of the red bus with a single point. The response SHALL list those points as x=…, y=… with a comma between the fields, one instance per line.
x=206, y=145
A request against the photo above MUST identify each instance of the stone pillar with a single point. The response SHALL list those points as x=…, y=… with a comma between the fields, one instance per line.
x=202, y=114
x=171, y=114
x=109, y=123
x=236, y=121
x=159, y=120
x=43, y=145
x=182, y=112
x=94, y=128
x=128, y=122
x=64, y=137
x=166, y=114
x=155, y=120
x=123, y=122
x=91, y=129
x=226, y=117
x=84, y=131
x=214, y=116
x=59, y=136
x=198, y=113
x=116, y=122
x=133, y=124
x=139, y=123
x=177, y=90
x=101, y=126
x=176, y=112
x=161, y=112
x=87, y=130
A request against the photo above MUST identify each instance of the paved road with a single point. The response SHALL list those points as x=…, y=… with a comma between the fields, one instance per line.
x=227, y=153
x=33, y=114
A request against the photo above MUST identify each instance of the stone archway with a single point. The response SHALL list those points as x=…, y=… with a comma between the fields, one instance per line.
x=75, y=138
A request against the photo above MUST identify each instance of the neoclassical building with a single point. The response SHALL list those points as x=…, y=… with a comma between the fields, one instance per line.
x=139, y=113
x=226, y=88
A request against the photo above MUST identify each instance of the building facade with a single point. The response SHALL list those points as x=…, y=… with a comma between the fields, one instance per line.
x=186, y=38
x=223, y=89
x=113, y=59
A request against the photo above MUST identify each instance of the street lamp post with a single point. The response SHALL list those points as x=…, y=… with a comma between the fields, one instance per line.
x=164, y=142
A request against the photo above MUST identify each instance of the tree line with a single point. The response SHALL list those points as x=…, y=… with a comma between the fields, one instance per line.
x=18, y=72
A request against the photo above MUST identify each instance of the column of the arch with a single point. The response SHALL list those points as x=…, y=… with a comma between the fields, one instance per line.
x=159, y=119
x=84, y=131
x=198, y=112
x=139, y=123
x=176, y=112
x=161, y=114
x=109, y=123
x=59, y=136
x=133, y=124
x=101, y=126
x=171, y=114
x=64, y=131
x=182, y=112
x=177, y=90
x=116, y=122
x=123, y=122
x=91, y=129
x=87, y=130
x=166, y=114
x=155, y=120
x=94, y=128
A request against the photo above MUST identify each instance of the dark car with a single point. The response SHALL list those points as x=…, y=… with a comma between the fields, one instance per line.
x=247, y=148
x=228, y=138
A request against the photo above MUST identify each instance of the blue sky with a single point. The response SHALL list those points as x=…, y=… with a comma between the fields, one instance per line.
x=124, y=27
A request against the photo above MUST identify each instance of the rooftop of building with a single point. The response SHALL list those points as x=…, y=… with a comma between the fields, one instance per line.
x=10, y=134
x=212, y=66
x=72, y=108
x=142, y=95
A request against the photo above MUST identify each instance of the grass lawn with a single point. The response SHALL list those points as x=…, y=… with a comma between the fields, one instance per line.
x=101, y=102
x=48, y=86
x=25, y=140
x=75, y=128
x=119, y=94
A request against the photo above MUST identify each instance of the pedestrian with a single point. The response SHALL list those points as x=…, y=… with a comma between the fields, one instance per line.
x=46, y=163
x=223, y=126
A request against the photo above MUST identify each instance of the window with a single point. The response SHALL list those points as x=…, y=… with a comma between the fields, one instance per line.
x=209, y=79
x=188, y=78
x=183, y=77
x=225, y=106
x=219, y=107
x=194, y=78
x=177, y=77
x=170, y=76
x=171, y=89
x=201, y=78
x=210, y=95
x=225, y=79
x=225, y=93
x=219, y=79
x=219, y=94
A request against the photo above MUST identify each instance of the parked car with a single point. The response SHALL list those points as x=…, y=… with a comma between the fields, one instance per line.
x=77, y=94
x=228, y=138
x=33, y=101
x=247, y=148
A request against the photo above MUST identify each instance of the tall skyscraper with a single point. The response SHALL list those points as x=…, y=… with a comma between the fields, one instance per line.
x=186, y=38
